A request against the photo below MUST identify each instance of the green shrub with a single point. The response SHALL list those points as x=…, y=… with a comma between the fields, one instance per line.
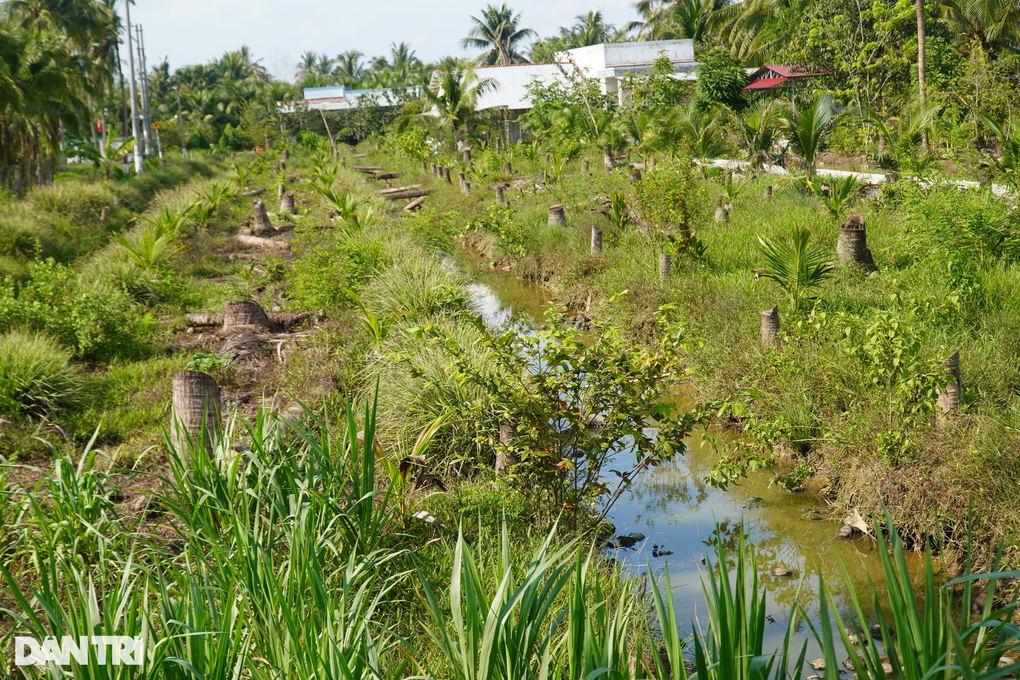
x=36, y=376
x=328, y=268
x=668, y=199
x=96, y=324
x=78, y=201
x=974, y=224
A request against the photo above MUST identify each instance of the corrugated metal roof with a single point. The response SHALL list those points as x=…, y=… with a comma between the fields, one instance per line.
x=765, y=83
x=510, y=83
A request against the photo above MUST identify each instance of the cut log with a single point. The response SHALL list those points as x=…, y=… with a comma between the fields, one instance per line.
x=852, y=245
x=288, y=319
x=409, y=194
x=369, y=168
x=770, y=327
x=195, y=415
x=665, y=264
x=262, y=225
x=287, y=204
x=205, y=319
x=387, y=175
x=397, y=190
x=361, y=155
x=258, y=242
x=247, y=315
x=414, y=205
x=253, y=192
x=557, y=216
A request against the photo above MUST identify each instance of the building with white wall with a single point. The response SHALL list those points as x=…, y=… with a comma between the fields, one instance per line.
x=611, y=63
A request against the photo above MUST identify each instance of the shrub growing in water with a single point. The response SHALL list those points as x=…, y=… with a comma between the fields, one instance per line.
x=36, y=376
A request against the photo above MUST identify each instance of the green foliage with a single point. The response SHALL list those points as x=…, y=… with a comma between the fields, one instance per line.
x=972, y=225
x=807, y=129
x=95, y=324
x=574, y=403
x=153, y=245
x=668, y=199
x=658, y=89
x=326, y=269
x=839, y=195
x=36, y=376
x=795, y=266
x=207, y=362
x=721, y=80
x=515, y=236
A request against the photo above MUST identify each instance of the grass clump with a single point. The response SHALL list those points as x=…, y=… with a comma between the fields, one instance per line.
x=36, y=375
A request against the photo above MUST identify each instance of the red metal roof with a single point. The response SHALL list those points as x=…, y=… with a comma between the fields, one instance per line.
x=765, y=83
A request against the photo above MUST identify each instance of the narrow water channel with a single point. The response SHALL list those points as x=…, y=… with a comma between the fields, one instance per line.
x=678, y=513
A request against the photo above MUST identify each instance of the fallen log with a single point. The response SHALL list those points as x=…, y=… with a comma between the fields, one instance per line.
x=361, y=155
x=253, y=192
x=397, y=190
x=257, y=242
x=287, y=319
x=409, y=194
x=387, y=175
x=414, y=205
x=205, y=319
x=368, y=168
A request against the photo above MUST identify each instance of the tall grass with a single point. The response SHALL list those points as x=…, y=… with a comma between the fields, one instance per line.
x=36, y=375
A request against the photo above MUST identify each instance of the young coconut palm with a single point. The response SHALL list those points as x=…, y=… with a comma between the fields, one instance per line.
x=842, y=192
x=808, y=128
x=795, y=266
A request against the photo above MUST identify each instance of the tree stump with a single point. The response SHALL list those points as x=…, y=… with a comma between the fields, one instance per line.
x=262, y=224
x=722, y=215
x=287, y=204
x=446, y=175
x=498, y=144
x=949, y=398
x=463, y=183
x=596, y=239
x=432, y=167
x=195, y=415
x=770, y=327
x=467, y=155
x=665, y=264
x=584, y=166
x=557, y=216
x=505, y=459
x=852, y=246
x=424, y=166
x=276, y=169
x=499, y=194
x=768, y=193
x=247, y=315
x=285, y=155
x=281, y=189
x=507, y=168
x=607, y=158
x=635, y=175
x=104, y=214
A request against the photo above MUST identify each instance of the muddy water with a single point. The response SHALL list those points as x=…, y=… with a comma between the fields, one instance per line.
x=677, y=512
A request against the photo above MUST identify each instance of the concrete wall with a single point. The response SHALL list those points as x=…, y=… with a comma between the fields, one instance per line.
x=645, y=52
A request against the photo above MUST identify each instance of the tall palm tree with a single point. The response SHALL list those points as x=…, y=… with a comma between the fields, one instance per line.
x=675, y=19
x=992, y=22
x=349, y=67
x=498, y=32
x=588, y=29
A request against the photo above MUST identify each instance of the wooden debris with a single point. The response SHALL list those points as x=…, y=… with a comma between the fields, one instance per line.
x=410, y=194
x=414, y=205
x=258, y=242
x=361, y=155
x=387, y=175
x=397, y=190
x=253, y=192
x=369, y=168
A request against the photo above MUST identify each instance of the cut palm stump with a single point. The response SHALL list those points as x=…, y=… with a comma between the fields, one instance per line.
x=770, y=327
x=852, y=246
x=557, y=216
x=261, y=226
x=195, y=415
x=287, y=204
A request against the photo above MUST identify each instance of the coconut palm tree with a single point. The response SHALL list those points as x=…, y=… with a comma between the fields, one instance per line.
x=675, y=19
x=794, y=265
x=760, y=125
x=992, y=22
x=588, y=29
x=453, y=101
x=349, y=68
x=498, y=32
x=808, y=128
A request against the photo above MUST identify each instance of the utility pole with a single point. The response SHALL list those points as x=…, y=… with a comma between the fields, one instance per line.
x=922, y=71
x=180, y=120
x=143, y=81
x=134, y=104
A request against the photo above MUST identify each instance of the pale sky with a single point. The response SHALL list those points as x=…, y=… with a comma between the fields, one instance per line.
x=279, y=31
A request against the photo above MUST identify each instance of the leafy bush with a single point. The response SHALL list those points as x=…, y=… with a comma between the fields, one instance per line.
x=974, y=224
x=326, y=270
x=721, y=80
x=94, y=323
x=36, y=377
x=668, y=199
x=515, y=238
